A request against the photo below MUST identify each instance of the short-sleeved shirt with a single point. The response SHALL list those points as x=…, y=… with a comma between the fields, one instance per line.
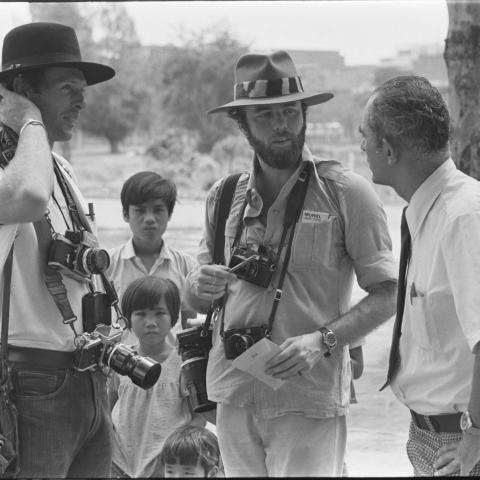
x=143, y=419
x=441, y=320
x=35, y=320
x=126, y=266
x=342, y=231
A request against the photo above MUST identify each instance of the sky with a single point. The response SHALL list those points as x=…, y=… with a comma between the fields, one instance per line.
x=363, y=32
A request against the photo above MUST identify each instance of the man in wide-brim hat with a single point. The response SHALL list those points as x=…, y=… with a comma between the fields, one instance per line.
x=64, y=423
x=296, y=288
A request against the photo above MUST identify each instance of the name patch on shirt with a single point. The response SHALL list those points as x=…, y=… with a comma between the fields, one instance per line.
x=309, y=216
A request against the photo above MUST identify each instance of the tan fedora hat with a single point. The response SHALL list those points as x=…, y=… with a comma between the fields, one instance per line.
x=269, y=79
x=42, y=44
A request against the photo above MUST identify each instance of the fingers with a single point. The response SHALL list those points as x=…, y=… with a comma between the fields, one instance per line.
x=447, y=462
x=211, y=281
x=448, y=470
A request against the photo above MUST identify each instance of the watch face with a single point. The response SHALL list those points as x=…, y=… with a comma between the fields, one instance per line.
x=465, y=421
x=330, y=339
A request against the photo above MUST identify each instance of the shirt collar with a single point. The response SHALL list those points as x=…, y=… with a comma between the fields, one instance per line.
x=129, y=251
x=426, y=194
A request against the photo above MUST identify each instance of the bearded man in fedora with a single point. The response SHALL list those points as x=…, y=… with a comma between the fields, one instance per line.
x=63, y=416
x=292, y=421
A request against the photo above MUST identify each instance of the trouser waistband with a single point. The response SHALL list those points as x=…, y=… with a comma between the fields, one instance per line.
x=41, y=357
x=438, y=423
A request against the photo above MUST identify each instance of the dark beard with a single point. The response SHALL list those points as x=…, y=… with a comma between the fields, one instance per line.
x=280, y=159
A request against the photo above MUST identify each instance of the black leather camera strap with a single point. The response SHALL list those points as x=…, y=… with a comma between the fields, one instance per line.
x=222, y=209
x=7, y=281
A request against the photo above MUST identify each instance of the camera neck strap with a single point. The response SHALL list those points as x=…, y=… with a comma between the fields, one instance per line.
x=7, y=281
x=293, y=210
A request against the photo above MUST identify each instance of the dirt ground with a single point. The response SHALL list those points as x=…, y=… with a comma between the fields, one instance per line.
x=378, y=424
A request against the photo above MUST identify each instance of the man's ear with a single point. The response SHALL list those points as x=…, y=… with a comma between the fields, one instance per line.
x=21, y=86
x=125, y=215
x=213, y=472
x=392, y=157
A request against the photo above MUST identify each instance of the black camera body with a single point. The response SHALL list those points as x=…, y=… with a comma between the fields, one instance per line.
x=259, y=270
x=193, y=345
x=96, y=310
x=102, y=348
x=76, y=254
x=237, y=340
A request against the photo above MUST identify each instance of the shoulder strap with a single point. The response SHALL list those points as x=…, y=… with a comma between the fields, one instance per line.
x=222, y=209
x=7, y=272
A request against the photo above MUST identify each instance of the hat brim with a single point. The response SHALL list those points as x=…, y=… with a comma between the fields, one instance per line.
x=93, y=72
x=306, y=97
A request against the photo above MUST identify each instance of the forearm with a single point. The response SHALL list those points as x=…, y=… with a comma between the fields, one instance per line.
x=377, y=307
x=27, y=182
x=474, y=403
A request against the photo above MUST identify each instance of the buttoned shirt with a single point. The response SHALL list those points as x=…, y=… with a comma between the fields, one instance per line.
x=342, y=231
x=35, y=320
x=126, y=266
x=441, y=321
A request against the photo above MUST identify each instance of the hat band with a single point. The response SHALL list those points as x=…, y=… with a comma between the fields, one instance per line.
x=41, y=59
x=267, y=88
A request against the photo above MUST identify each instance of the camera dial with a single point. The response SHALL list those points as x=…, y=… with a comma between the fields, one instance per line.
x=95, y=260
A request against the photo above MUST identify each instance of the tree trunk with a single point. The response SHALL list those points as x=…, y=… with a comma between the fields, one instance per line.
x=114, y=146
x=462, y=57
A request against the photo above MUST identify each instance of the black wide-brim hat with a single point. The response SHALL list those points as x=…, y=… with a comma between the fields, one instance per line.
x=268, y=80
x=41, y=45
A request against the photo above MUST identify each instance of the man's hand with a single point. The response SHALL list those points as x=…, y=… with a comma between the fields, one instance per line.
x=459, y=456
x=299, y=354
x=16, y=109
x=209, y=281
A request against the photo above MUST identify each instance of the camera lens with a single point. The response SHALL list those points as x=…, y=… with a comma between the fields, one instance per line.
x=143, y=371
x=95, y=260
x=240, y=342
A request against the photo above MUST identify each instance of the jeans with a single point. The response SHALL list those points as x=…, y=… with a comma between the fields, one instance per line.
x=285, y=446
x=65, y=428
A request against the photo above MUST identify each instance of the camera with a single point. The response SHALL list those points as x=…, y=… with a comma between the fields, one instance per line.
x=102, y=348
x=237, y=340
x=193, y=346
x=96, y=310
x=76, y=255
x=251, y=266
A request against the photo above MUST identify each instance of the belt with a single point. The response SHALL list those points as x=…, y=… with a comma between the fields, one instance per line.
x=41, y=357
x=438, y=423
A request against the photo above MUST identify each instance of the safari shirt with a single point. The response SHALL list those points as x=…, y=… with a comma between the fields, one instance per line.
x=342, y=231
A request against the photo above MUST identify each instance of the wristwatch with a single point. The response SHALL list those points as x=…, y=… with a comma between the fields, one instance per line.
x=329, y=339
x=466, y=424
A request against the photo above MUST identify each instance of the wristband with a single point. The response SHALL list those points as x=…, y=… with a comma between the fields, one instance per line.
x=31, y=121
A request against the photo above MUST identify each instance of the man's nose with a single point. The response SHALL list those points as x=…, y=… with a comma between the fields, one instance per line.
x=279, y=121
x=80, y=100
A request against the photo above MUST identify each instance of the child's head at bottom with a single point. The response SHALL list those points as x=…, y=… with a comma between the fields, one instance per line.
x=191, y=451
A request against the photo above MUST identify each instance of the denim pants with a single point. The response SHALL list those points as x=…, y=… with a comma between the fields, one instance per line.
x=65, y=428
x=289, y=445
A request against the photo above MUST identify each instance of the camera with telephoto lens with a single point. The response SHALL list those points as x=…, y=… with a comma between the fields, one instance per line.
x=102, y=348
x=251, y=266
x=193, y=345
x=76, y=254
x=237, y=340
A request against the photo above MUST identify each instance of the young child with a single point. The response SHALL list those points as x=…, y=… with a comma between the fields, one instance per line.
x=191, y=451
x=142, y=419
x=147, y=201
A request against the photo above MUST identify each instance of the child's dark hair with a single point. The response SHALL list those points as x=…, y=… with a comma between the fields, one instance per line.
x=144, y=186
x=146, y=292
x=191, y=445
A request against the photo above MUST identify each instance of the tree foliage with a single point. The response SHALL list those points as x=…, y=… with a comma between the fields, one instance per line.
x=199, y=75
x=107, y=35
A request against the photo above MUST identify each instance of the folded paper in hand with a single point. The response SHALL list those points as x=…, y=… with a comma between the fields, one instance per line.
x=253, y=361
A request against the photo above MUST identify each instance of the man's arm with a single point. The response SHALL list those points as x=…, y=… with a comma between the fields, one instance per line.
x=27, y=182
x=300, y=353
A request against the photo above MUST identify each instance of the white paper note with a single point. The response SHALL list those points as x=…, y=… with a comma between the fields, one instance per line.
x=253, y=361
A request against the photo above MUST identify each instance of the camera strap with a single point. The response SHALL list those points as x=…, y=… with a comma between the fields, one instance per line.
x=293, y=210
x=7, y=282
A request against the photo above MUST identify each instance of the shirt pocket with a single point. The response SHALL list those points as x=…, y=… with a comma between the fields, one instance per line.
x=313, y=243
x=423, y=330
